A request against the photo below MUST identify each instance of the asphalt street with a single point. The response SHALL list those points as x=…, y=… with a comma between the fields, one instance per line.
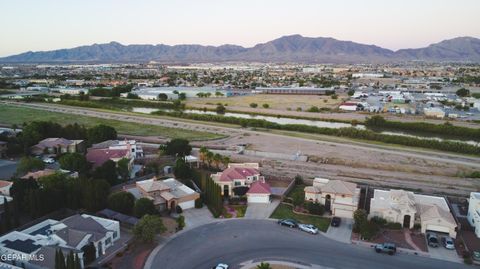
x=236, y=241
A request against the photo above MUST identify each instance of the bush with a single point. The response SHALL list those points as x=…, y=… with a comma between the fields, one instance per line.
x=253, y=105
x=313, y=109
x=180, y=223
x=379, y=221
x=393, y=225
x=178, y=209
x=199, y=203
x=315, y=208
x=266, y=105
x=298, y=180
x=237, y=200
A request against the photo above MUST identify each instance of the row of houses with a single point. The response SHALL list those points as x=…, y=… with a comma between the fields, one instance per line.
x=431, y=213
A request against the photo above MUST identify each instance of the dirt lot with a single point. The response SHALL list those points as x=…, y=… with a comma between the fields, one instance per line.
x=275, y=101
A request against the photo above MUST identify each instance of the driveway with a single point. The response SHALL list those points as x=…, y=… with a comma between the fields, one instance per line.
x=261, y=211
x=442, y=253
x=195, y=217
x=342, y=233
x=7, y=169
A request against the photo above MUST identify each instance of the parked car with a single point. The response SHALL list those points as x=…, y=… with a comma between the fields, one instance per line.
x=49, y=160
x=448, y=243
x=336, y=221
x=432, y=240
x=389, y=248
x=221, y=266
x=309, y=228
x=288, y=222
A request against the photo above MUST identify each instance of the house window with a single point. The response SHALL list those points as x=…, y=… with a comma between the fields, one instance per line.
x=115, y=234
x=237, y=183
x=108, y=241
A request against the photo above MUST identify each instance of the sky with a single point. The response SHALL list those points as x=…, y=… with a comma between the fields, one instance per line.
x=34, y=25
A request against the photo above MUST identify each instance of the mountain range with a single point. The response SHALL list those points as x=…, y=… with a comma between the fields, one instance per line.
x=293, y=48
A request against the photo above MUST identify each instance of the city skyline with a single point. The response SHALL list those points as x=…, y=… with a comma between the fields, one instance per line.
x=63, y=24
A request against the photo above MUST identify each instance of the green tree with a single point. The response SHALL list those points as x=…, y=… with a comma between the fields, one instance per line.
x=182, y=170
x=6, y=218
x=123, y=169
x=101, y=133
x=74, y=162
x=89, y=253
x=463, y=92
x=182, y=96
x=60, y=260
x=107, y=171
x=266, y=106
x=144, y=206
x=217, y=159
x=219, y=94
x=162, y=97
x=180, y=222
x=298, y=198
x=351, y=92
x=264, y=265
x=253, y=105
x=148, y=227
x=28, y=164
x=70, y=260
x=78, y=263
x=95, y=193
x=122, y=202
x=178, y=147
x=220, y=109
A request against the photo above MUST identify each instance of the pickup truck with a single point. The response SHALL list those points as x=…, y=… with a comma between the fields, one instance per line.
x=389, y=248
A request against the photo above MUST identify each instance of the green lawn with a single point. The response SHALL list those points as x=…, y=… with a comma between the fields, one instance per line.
x=19, y=115
x=297, y=189
x=284, y=211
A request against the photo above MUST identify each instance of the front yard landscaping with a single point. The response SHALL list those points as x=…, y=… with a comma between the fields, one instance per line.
x=285, y=211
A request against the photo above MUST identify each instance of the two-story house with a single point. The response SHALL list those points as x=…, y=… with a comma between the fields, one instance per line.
x=339, y=197
x=237, y=175
x=473, y=214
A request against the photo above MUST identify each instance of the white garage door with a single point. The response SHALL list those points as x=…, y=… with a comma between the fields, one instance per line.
x=258, y=199
x=187, y=205
x=342, y=213
x=437, y=228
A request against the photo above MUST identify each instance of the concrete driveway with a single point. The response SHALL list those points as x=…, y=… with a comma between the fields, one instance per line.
x=342, y=233
x=195, y=217
x=442, y=253
x=261, y=211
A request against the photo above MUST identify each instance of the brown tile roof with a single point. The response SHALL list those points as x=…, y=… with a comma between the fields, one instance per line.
x=339, y=187
x=38, y=174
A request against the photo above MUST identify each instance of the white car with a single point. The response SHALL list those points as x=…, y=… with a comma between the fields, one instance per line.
x=221, y=266
x=309, y=228
x=49, y=160
x=448, y=242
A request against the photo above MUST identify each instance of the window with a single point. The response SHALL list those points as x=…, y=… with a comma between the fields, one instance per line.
x=115, y=234
x=237, y=183
x=108, y=241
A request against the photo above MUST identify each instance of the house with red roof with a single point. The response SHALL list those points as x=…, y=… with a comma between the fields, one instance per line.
x=97, y=157
x=259, y=192
x=240, y=176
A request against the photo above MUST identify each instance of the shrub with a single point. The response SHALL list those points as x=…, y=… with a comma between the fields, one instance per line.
x=180, y=223
x=298, y=180
x=266, y=105
x=379, y=221
x=199, y=203
x=315, y=208
x=253, y=105
x=313, y=109
x=178, y=209
x=394, y=225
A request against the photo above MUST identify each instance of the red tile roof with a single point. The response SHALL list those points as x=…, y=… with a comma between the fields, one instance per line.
x=99, y=156
x=232, y=173
x=259, y=187
x=4, y=183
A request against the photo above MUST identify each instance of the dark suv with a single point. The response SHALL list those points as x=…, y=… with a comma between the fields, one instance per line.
x=336, y=221
x=389, y=248
x=288, y=222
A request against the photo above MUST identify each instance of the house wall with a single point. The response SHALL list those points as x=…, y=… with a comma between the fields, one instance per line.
x=439, y=225
x=472, y=215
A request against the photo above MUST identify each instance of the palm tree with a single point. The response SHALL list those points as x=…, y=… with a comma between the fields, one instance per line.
x=264, y=265
x=203, y=154
x=225, y=161
x=217, y=159
x=209, y=158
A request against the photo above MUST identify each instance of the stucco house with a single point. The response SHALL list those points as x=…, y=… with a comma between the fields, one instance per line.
x=165, y=194
x=237, y=175
x=58, y=146
x=407, y=208
x=473, y=214
x=339, y=197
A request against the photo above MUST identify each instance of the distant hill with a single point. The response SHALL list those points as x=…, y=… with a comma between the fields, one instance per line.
x=294, y=48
